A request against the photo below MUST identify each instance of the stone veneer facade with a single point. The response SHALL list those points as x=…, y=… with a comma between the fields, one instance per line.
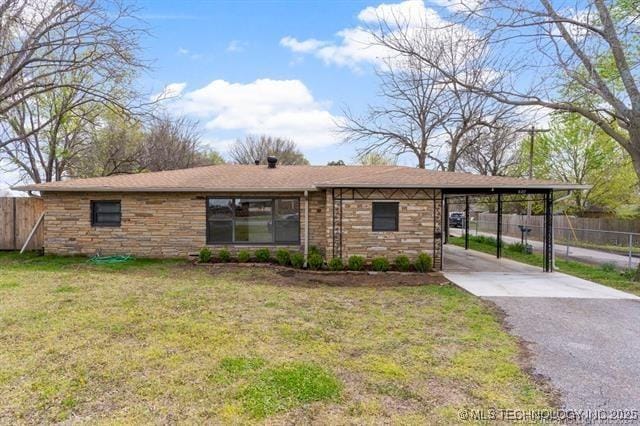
x=349, y=224
x=174, y=224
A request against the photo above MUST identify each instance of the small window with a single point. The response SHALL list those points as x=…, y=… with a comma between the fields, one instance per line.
x=385, y=216
x=105, y=213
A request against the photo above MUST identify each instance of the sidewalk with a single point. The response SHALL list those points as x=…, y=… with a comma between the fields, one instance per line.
x=591, y=256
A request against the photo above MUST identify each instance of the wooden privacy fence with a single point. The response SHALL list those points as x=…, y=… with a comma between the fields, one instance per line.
x=18, y=215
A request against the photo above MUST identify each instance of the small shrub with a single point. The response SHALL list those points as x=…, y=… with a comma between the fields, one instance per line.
x=423, y=263
x=263, y=255
x=380, y=264
x=516, y=247
x=629, y=274
x=608, y=267
x=336, y=264
x=244, y=256
x=483, y=239
x=283, y=257
x=224, y=255
x=356, y=263
x=402, y=263
x=315, y=261
x=314, y=250
x=297, y=260
x=205, y=255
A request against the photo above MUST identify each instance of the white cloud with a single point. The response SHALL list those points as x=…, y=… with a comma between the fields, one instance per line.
x=172, y=90
x=220, y=145
x=356, y=45
x=236, y=46
x=306, y=46
x=189, y=54
x=458, y=5
x=277, y=107
x=412, y=13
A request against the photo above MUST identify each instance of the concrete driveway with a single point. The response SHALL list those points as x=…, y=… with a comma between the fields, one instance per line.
x=584, y=337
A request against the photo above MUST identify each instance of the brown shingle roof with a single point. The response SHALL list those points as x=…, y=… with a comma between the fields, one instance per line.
x=233, y=177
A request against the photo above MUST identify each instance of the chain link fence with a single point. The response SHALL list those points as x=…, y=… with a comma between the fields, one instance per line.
x=620, y=249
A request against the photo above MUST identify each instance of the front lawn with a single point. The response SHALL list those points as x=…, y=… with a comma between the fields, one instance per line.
x=168, y=342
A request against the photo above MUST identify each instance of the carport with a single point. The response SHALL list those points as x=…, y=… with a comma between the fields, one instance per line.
x=502, y=196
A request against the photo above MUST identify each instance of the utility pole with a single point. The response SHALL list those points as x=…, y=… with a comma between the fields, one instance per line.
x=532, y=132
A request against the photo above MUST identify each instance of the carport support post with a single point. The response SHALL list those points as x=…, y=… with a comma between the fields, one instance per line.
x=499, y=228
x=466, y=222
x=548, y=231
x=446, y=220
x=306, y=227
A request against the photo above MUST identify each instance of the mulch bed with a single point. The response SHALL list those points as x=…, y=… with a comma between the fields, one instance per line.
x=302, y=277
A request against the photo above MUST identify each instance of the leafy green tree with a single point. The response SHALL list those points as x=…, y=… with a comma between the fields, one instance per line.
x=577, y=151
x=377, y=159
x=210, y=158
x=114, y=147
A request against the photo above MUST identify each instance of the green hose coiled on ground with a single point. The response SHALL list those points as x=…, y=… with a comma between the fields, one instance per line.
x=109, y=260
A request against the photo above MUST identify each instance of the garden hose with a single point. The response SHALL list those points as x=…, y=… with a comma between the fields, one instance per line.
x=109, y=260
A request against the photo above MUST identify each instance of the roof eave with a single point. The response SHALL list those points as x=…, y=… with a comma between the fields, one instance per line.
x=155, y=189
x=488, y=187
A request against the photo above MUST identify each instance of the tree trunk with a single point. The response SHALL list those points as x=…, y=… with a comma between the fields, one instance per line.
x=453, y=155
x=422, y=160
x=634, y=151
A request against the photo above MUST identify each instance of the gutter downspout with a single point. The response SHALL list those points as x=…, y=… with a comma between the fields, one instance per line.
x=306, y=227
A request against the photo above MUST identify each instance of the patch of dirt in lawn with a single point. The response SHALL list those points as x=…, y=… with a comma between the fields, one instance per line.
x=300, y=278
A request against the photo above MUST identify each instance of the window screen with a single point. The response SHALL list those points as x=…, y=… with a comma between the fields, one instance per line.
x=105, y=213
x=385, y=216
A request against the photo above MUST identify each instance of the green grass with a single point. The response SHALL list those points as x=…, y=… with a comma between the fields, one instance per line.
x=290, y=385
x=167, y=342
x=605, y=275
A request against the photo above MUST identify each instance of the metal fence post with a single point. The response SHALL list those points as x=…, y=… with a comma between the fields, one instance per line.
x=630, y=248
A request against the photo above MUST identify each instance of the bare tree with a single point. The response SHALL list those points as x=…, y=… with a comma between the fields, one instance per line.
x=437, y=113
x=258, y=148
x=171, y=144
x=409, y=120
x=494, y=151
x=580, y=59
x=43, y=44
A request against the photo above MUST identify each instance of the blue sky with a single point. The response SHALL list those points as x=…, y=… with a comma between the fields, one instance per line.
x=278, y=67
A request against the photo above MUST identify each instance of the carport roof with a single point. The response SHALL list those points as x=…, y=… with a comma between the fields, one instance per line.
x=251, y=178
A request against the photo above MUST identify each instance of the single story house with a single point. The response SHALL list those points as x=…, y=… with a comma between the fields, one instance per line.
x=343, y=210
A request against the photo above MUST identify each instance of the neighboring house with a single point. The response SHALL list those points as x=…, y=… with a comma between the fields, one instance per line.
x=343, y=210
